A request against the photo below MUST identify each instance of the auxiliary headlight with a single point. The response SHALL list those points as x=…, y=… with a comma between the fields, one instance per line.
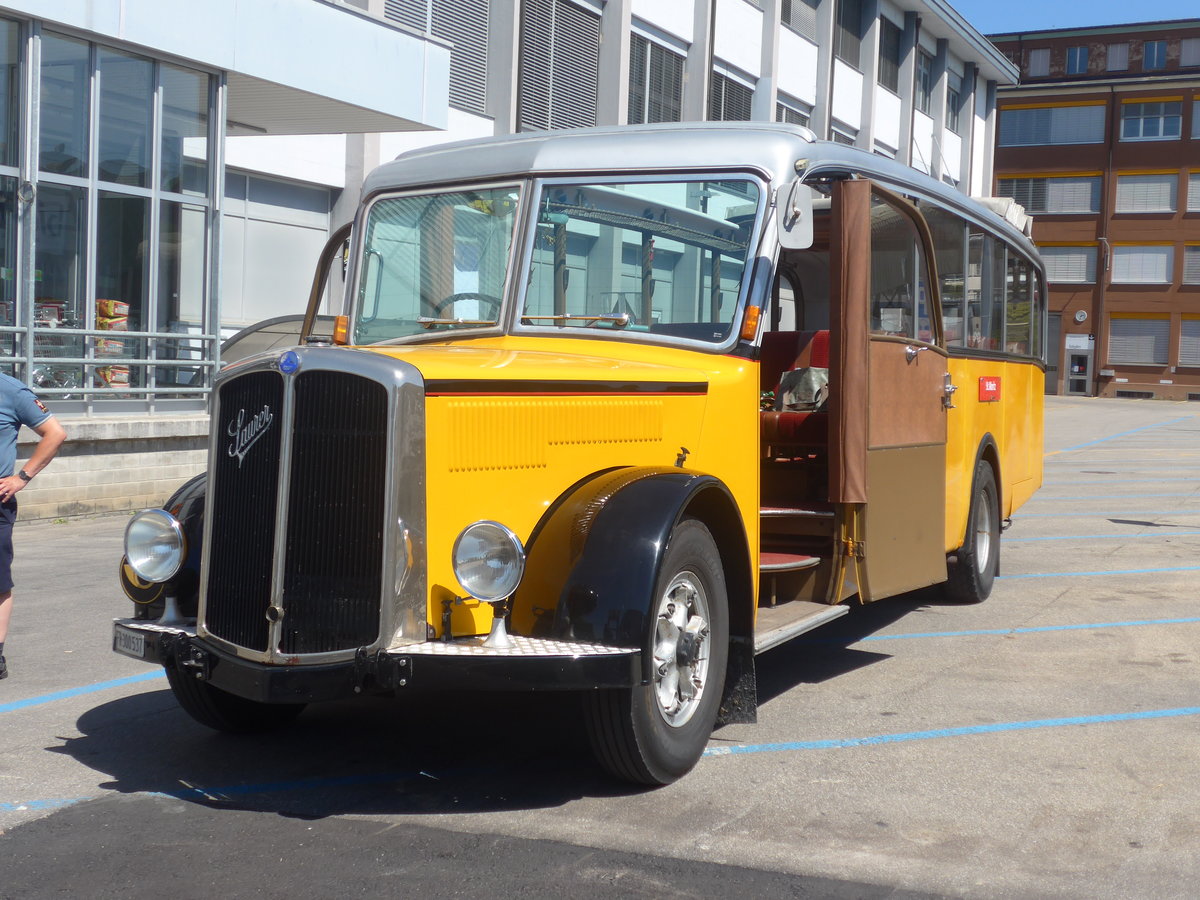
x=154, y=544
x=488, y=561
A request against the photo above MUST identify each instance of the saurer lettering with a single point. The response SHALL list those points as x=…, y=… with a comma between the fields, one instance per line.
x=245, y=433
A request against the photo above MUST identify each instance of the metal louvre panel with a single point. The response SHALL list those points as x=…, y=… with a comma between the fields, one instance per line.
x=336, y=501
x=245, y=490
x=465, y=23
x=560, y=65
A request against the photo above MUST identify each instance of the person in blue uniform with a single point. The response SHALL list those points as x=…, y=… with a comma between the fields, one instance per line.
x=19, y=406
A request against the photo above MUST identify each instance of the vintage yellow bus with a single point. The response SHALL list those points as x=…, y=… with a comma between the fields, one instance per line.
x=609, y=411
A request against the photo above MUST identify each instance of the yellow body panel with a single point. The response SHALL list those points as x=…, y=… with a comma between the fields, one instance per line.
x=1015, y=421
x=495, y=453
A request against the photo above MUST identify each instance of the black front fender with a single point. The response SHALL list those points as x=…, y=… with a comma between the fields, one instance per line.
x=594, y=560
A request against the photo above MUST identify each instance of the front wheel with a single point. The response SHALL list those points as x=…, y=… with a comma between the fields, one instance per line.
x=655, y=733
x=224, y=711
x=970, y=578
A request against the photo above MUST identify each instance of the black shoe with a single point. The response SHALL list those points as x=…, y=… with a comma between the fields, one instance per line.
x=3, y=668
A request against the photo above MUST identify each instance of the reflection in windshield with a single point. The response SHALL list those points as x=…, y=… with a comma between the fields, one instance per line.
x=662, y=257
x=434, y=262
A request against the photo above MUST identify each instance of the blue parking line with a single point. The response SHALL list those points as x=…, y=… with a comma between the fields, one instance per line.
x=903, y=737
x=1093, y=537
x=80, y=691
x=1032, y=629
x=1038, y=497
x=1104, y=572
x=1104, y=514
x=1048, y=483
x=1121, y=434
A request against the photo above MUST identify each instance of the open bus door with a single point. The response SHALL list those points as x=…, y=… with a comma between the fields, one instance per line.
x=888, y=418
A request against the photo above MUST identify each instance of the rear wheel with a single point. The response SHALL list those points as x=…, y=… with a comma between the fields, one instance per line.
x=224, y=711
x=655, y=733
x=970, y=578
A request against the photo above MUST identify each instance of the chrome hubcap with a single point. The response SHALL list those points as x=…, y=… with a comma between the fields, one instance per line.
x=984, y=525
x=681, y=649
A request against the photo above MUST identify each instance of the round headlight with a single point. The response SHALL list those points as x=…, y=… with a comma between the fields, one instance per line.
x=488, y=561
x=154, y=544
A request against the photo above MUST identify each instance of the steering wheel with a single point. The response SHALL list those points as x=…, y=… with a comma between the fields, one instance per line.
x=446, y=302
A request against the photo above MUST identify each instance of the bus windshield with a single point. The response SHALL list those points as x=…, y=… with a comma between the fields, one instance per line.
x=667, y=257
x=434, y=262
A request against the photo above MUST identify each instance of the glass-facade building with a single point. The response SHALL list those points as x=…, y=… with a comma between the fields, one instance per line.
x=106, y=246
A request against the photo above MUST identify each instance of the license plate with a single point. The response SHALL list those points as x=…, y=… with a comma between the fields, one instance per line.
x=131, y=643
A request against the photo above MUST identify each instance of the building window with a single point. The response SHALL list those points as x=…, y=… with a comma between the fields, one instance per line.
x=1157, y=120
x=1191, y=264
x=1054, y=195
x=792, y=112
x=1189, y=340
x=1117, y=58
x=889, y=54
x=1147, y=193
x=1196, y=118
x=729, y=100
x=1154, y=55
x=843, y=134
x=1052, y=125
x=801, y=16
x=848, y=32
x=1193, y=199
x=1143, y=264
x=655, y=82
x=559, y=65
x=1039, y=63
x=465, y=24
x=1138, y=341
x=1189, y=52
x=1077, y=60
x=924, y=98
x=954, y=101
x=1069, y=265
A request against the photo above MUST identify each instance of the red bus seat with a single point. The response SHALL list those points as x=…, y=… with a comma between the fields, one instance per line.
x=783, y=351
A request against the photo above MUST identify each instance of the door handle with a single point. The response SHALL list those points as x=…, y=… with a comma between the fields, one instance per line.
x=910, y=352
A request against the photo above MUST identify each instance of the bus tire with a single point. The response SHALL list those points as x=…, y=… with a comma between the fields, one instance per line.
x=223, y=711
x=971, y=575
x=655, y=733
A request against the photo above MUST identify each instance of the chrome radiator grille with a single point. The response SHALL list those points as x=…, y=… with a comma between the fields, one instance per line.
x=334, y=445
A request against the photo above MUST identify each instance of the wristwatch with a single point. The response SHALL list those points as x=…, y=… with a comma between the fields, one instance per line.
x=25, y=476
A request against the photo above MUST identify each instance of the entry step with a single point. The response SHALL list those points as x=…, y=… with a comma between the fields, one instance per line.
x=769, y=563
x=781, y=623
x=794, y=512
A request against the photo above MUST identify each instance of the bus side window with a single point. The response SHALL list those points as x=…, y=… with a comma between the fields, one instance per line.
x=949, y=233
x=784, y=304
x=1018, y=314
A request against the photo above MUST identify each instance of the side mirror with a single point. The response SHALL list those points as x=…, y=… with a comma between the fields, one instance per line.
x=794, y=215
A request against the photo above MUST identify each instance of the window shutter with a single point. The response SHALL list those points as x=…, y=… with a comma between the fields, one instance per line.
x=1073, y=195
x=638, y=48
x=1118, y=57
x=1193, y=198
x=1052, y=125
x=465, y=24
x=1138, y=341
x=801, y=17
x=729, y=101
x=413, y=13
x=1191, y=265
x=559, y=67
x=1070, y=265
x=1039, y=62
x=1142, y=265
x=1146, y=193
x=1189, y=52
x=1189, y=342
x=665, y=85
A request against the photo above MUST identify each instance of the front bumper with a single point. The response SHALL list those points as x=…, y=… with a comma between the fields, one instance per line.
x=463, y=664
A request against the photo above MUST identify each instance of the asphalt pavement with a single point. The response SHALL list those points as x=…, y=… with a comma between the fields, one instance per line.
x=1041, y=744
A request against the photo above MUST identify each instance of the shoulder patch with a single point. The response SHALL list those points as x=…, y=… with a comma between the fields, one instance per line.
x=40, y=405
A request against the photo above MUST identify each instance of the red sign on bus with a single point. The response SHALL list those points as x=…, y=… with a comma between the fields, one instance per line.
x=989, y=389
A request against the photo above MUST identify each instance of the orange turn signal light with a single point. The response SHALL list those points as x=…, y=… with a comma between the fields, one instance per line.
x=341, y=328
x=750, y=323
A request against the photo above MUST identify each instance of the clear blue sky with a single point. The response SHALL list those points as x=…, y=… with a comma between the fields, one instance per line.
x=1005, y=16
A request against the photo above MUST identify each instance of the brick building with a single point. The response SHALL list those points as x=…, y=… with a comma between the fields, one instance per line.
x=1100, y=141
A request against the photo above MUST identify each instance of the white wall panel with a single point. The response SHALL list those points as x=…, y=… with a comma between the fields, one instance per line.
x=847, y=94
x=797, y=66
x=922, y=142
x=952, y=149
x=675, y=17
x=318, y=159
x=738, y=38
x=979, y=144
x=888, y=110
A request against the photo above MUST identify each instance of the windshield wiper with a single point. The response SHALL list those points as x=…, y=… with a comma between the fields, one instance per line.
x=619, y=321
x=428, y=321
